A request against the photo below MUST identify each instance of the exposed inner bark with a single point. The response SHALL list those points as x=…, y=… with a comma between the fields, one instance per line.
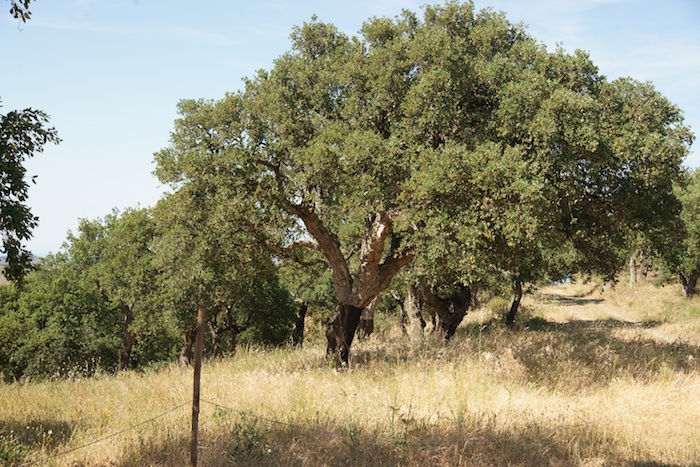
x=366, y=326
x=450, y=311
x=341, y=331
x=376, y=269
x=517, y=296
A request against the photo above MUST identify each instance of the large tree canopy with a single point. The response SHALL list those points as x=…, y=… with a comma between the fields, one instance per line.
x=22, y=134
x=456, y=139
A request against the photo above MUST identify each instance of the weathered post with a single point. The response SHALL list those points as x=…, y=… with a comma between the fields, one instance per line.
x=199, y=347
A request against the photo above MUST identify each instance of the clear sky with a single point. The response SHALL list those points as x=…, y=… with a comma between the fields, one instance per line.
x=110, y=73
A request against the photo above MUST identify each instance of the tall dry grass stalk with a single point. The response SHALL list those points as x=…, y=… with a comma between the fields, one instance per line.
x=580, y=381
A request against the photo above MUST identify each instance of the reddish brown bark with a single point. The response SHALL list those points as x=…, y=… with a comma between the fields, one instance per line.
x=366, y=326
x=128, y=339
x=375, y=272
x=450, y=311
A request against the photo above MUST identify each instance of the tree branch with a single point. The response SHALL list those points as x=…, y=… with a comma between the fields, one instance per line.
x=329, y=245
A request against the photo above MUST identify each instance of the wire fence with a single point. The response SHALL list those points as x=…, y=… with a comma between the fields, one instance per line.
x=345, y=432
x=105, y=438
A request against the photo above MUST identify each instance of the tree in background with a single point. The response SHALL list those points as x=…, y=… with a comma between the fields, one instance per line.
x=205, y=261
x=22, y=134
x=562, y=171
x=93, y=305
x=305, y=276
x=688, y=264
x=66, y=325
x=11, y=329
x=123, y=266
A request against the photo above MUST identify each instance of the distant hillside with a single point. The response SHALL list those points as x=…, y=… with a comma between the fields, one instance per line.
x=3, y=260
x=3, y=263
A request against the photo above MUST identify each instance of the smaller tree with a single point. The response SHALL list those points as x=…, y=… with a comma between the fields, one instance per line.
x=689, y=258
x=66, y=325
x=22, y=134
x=206, y=262
x=10, y=329
x=307, y=279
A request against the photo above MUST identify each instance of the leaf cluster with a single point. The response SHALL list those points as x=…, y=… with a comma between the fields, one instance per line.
x=22, y=134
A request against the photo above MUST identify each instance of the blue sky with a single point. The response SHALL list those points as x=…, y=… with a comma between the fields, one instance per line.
x=110, y=73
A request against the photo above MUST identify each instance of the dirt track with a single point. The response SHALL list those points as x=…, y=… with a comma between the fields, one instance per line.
x=568, y=305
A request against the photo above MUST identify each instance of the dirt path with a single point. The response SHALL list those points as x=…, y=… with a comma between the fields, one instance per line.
x=568, y=303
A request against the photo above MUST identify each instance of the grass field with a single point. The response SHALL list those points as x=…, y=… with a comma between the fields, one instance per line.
x=586, y=378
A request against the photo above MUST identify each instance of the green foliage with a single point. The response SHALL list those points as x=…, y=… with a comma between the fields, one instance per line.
x=307, y=279
x=22, y=134
x=19, y=9
x=68, y=327
x=74, y=310
x=204, y=259
x=10, y=328
x=103, y=303
x=248, y=444
x=453, y=138
x=690, y=215
x=687, y=259
x=12, y=452
x=485, y=156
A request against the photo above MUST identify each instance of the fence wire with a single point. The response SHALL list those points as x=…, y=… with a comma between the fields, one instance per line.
x=105, y=438
x=379, y=439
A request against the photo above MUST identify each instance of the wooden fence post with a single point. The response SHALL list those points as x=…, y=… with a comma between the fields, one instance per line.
x=199, y=347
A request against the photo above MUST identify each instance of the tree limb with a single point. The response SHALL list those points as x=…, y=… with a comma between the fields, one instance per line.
x=329, y=245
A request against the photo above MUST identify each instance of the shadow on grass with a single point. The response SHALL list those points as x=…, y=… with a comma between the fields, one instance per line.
x=583, y=353
x=20, y=440
x=540, y=324
x=261, y=442
x=569, y=301
x=576, y=353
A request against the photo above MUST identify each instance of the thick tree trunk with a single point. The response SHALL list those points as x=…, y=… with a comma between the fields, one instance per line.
x=517, y=296
x=341, y=331
x=412, y=309
x=450, y=311
x=377, y=268
x=186, y=349
x=128, y=340
x=365, y=328
x=633, y=271
x=689, y=282
x=300, y=319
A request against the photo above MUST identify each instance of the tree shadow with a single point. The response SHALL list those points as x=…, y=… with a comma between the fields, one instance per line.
x=584, y=353
x=20, y=438
x=568, y=301
x=253, y=441
x=541, y=324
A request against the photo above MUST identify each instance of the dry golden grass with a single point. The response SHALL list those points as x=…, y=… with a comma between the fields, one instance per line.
x=582, y=380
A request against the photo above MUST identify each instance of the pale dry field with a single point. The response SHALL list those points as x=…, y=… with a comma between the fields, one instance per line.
x=586, y=378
